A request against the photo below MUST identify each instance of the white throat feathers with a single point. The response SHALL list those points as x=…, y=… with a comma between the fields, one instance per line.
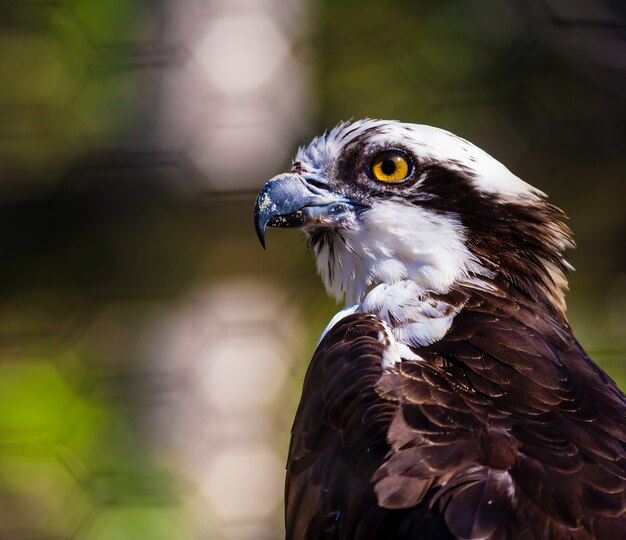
x=394, y=270
x=395, y=242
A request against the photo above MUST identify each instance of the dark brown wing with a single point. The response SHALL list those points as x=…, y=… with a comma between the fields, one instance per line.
x=339, y=439
x=520, y=434
x=505, y=430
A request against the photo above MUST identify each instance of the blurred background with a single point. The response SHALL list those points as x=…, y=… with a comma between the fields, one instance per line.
x=151, y=353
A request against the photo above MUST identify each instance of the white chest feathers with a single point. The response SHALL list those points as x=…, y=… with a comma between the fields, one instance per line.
x=415, y=319
x=412, y=318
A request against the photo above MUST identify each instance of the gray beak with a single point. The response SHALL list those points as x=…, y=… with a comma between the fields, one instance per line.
x=287, y=200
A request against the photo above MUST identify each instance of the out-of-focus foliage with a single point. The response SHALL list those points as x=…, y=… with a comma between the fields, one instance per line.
x=151, y=354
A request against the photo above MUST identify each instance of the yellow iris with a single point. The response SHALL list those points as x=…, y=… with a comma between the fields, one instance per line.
x=391, y=166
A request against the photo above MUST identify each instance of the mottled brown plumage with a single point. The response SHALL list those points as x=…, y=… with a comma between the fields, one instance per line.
x=507, y=401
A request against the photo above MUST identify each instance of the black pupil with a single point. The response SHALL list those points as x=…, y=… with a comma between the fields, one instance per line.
x=388, y=167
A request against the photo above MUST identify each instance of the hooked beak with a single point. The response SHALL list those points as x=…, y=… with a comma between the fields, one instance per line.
x=287, y=200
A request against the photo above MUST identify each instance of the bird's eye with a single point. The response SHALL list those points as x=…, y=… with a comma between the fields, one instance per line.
x=391, y=166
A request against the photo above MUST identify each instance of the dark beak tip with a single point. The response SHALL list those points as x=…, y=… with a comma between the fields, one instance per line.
x=279, y=204
x=259, y=227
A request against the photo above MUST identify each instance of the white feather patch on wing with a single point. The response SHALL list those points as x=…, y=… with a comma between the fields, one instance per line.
x=416, y=318
x=395, y=352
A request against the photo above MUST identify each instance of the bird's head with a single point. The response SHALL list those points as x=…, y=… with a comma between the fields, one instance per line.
x=383, y=201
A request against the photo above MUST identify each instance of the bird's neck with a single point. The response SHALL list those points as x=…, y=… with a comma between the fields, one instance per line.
x=394, y=243
x=411, y=282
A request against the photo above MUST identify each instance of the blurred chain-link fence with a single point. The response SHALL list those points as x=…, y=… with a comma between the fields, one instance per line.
x=151, y=353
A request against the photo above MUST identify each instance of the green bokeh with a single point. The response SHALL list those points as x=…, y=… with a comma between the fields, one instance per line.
x=75, y=453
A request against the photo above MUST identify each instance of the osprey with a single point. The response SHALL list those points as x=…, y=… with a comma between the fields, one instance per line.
x=449, y=399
